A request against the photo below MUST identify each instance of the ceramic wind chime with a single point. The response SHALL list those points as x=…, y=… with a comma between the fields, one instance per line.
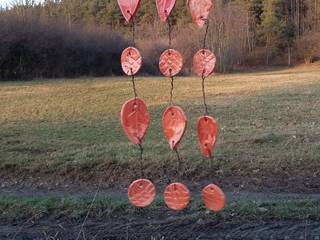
x=174, y=121
x=135, y=118
x=204, y=62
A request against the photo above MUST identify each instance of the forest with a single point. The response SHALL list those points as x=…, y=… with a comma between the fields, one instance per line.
x=72, y=38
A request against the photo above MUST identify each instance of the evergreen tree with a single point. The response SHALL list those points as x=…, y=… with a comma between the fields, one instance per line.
x=272, y=27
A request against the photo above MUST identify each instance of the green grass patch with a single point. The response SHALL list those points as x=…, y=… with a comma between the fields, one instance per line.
x=19, y=208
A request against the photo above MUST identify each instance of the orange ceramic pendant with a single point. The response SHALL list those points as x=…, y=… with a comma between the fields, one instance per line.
x=141, y=193
x=129, y=8
x=213, y=198
x=204, y=62
x=131, y=61
x=164, y=8
x=135, y=120
x=207, y=135
x=177, y=196
x=174, y=123
x=170, y=63
x=200, y=10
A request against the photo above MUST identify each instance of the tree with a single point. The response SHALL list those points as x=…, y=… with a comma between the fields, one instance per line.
x=272, y=27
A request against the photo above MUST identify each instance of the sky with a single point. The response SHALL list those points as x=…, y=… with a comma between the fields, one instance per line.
x=4, y=3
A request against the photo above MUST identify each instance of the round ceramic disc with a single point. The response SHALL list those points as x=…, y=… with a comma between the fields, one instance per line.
x=213, y=198
x=131, y=61
x=135, y=120
x=204, y=62
x=177, y=196
x=141, y=193
x=174, y=123
x=207, y=135
x=170, y=63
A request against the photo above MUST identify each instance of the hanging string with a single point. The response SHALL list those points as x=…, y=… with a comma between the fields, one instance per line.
x=206, y=112
x=170, y=42
x=135, y=98
x=169, y=28
x=206, y=21
x=172, y=88
x=133, y=30
x=132, y=75
x=141, y=160
x=165, y=173
x=179, y=161
x=133, y=85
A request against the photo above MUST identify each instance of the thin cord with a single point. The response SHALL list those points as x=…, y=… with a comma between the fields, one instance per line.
x=133, y=32
x=206, y=113
x=169, y=30
x=179, y=160
x=134, y=91
x=206, y=21
x=171, y=91
x=165, y=173
x=134, y=86
x=211, y=161
x=141, y=160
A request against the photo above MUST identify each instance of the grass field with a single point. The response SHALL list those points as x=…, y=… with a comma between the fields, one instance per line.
x=68, y=131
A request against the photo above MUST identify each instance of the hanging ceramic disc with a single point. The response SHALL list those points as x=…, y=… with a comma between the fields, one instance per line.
x=135, y=120
x=164, y=8
x=204, y=62
x=213, y=198
x=200, y=10
x=131, y=61
x=177, y=196
x=174, y=123
x=141, y=193
x=129, y=8
x=207, y=135
x=170, y=63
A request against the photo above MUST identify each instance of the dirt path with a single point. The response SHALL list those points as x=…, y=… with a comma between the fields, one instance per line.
x=177, y=227
x=157, y=224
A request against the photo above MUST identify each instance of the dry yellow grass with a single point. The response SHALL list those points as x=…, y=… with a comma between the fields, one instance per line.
x=61, y=100
x=269, y=125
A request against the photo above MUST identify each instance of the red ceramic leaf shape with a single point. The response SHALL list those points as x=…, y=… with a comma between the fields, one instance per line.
x=207, y=135
x=174, y=123
x=170, y=63
x=135, y=120
x=177, y=196
x=204, y=62
x=200, y=10
x=131, y=61
x=164, y=8
x=129, y=8
x=141, y=193
x=213, y=198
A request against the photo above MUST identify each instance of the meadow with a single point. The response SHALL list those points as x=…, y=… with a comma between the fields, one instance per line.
x=67, y=131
